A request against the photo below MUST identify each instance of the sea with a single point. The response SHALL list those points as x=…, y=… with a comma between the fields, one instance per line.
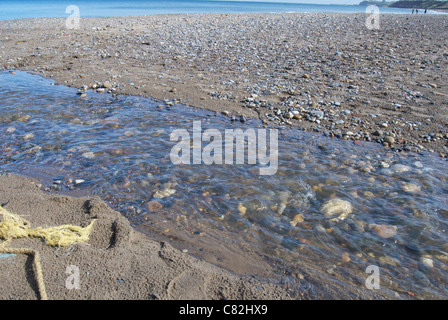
x=16, y=9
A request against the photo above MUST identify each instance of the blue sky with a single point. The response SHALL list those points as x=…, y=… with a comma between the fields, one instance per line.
x=314, y=1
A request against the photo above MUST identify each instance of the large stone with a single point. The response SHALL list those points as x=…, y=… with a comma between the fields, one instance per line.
x=154, y=206
x=107, y=85
x=160, y=194
x=399, y=168
x=390, y=140
x=411, y=187
x=383, y=230
x=337, y=206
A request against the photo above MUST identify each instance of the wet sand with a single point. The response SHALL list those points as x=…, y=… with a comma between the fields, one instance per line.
x=116, y=263
x=319, y=72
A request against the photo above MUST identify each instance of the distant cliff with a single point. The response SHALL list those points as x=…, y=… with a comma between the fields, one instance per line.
x=424, y=4
x=376, y=3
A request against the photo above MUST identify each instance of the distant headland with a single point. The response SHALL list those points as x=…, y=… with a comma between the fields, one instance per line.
x=419, y=4
x=377, y=3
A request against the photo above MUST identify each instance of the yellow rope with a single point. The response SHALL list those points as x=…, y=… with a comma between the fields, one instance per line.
x=13, y=226
x=36, y=265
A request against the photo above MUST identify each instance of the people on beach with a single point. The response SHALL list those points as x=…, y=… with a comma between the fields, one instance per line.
x=416, y=11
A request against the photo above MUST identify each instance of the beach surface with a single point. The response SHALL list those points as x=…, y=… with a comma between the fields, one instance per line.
x=326, y=73
x=320, y=72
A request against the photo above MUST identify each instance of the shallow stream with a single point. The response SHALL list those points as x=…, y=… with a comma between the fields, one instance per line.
x=119, y=149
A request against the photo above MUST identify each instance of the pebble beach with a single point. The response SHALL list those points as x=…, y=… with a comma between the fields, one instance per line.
x=319, y=72
x=364, y=185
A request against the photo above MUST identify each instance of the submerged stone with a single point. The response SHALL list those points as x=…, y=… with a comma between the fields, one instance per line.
x=383, y=230
x=337, y=206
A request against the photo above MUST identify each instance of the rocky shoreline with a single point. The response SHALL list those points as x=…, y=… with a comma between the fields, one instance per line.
x=319, y=72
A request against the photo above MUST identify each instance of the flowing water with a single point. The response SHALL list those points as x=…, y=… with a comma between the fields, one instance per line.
x=119, y=149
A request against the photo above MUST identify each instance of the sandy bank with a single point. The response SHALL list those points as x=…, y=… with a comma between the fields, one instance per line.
x=116, y=263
